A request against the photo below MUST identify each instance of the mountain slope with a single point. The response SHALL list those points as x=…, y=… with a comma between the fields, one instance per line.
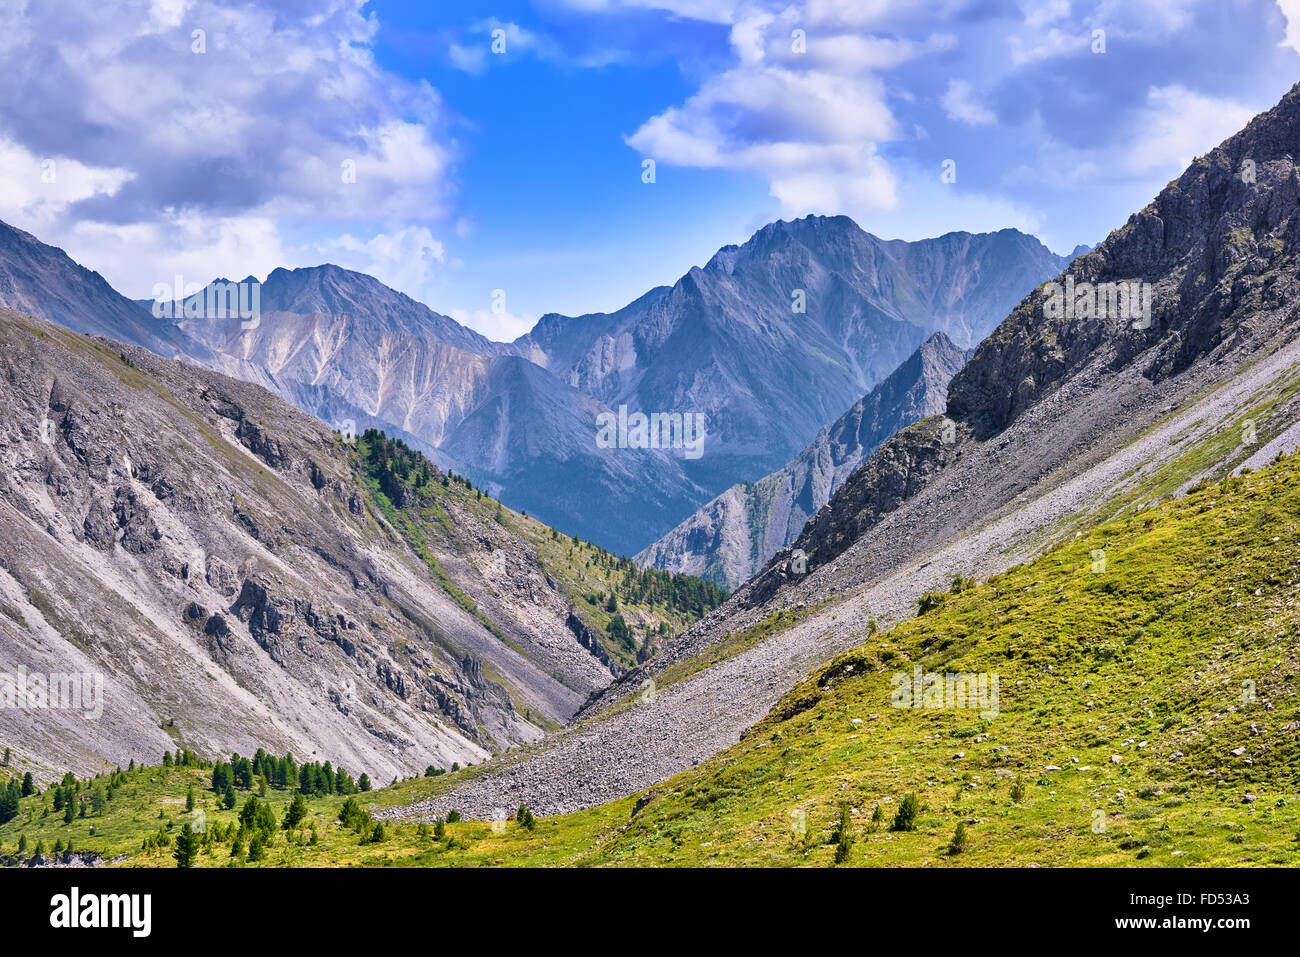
x=727, y=539
x=242, y=577
x=42, y=280
x=1145, y=715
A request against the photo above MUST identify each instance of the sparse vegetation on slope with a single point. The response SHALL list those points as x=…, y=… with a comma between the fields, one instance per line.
x=1146, y=714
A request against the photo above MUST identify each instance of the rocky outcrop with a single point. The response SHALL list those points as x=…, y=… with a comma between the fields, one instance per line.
x=1217, y=248
x=258, y=441
x=587, y=638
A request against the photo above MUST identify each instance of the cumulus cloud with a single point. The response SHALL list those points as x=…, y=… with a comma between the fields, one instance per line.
x=409, y=260
x=200, y=130
x=1177, y=124
x=803, y=105
x=1291, y=13
x=492, y=41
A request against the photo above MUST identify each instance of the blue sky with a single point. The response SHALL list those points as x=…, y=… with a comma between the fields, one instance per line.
x=202, y=138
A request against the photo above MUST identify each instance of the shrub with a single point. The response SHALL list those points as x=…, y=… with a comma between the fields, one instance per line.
x=929, y=602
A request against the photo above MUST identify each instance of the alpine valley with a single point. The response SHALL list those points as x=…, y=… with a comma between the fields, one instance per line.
x=912, y=474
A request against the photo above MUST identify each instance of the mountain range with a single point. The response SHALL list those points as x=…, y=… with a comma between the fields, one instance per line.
x=769, y=341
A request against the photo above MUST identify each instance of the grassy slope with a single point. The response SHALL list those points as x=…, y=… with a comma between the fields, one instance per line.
x=1144, y=662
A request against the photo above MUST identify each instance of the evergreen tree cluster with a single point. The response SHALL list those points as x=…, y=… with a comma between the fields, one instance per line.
x=395, y=466
x=284, y=774
x=686, y=594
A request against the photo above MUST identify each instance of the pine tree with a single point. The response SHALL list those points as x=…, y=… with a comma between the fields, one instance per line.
x=959, y=839
x=843, y=840
x=295, y=814
x=905, y=818
x=187, y=846
x=9, y=798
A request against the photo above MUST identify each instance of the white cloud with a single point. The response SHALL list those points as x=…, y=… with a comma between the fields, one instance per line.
x=808, y=121
x=43, y=187
x=1177, y=125
x=201, y=160
x=471, y=59
x=136, y=256
x=409, y=260
x=497, y=326
x=498, y=40
x=712, y=11
x=960, y=103
x=1291, y=13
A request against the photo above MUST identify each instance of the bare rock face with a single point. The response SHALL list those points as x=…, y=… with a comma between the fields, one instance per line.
x=221, y=577
x=587, y=638
x=212, y=553
x=731, y=537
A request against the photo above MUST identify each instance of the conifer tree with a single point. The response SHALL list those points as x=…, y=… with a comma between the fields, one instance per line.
x=187, y=846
